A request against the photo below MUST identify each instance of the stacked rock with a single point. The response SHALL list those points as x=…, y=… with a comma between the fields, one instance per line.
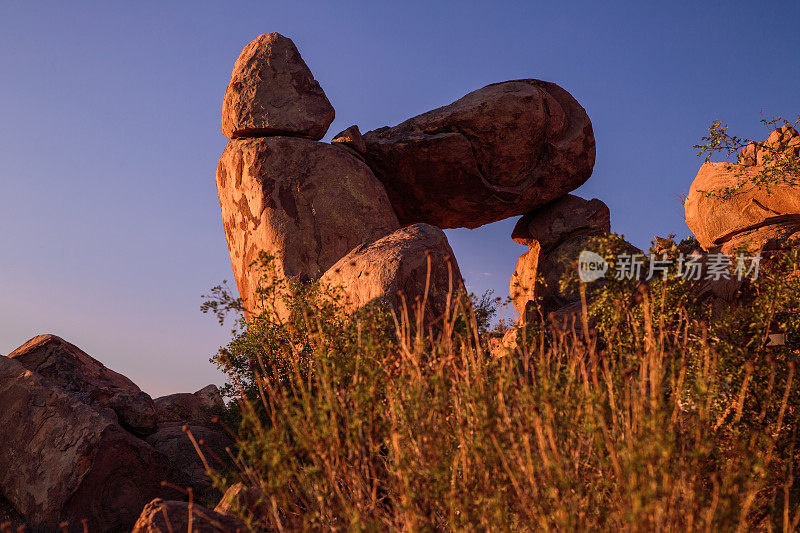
x=555, y=235
x=364, y=213
x=758, y=218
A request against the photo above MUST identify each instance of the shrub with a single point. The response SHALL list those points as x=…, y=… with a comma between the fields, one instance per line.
x=649, y=413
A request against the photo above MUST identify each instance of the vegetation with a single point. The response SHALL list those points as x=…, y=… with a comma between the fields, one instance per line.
x=653, y=411
x=777, y=165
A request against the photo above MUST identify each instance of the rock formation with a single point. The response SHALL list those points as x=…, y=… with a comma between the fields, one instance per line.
x=305, y=203
x=70, y=368
x=272, y=92
x=63, y=460
x=500, y=151
x=555, y=234
x=395, y=269
x=758, y=218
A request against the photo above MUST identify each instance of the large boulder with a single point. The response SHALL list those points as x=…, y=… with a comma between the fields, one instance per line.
x=555, y=235
x=165, y=516
x=754, y=217
x=62, y=460
x=395, y=269
x=500, y=151
x=272, y=92
x=89, y=380
x=305, y=203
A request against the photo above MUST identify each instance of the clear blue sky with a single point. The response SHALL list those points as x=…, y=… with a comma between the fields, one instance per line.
x=110, y=136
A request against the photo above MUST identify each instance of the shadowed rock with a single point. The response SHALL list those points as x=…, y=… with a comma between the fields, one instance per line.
x=272, y=92
x=62, y=460
x=500, y=151
x=89, y=380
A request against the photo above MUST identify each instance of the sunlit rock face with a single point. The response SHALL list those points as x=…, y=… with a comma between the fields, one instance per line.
x=757, y=218
x=498, y=152
x=395, y=271
x=305, y=203
x=273, y=92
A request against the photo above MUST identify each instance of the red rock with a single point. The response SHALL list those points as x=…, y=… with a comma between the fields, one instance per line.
x=376, y=273
x=756, y=218
x=351, y=137
x=523, y=281
x=500, y=151
x=174, y=443
x=272, y=92
x=190, y=407
x=72, y=369
x=561, y=220
x=61, y=460
x=305, y=203
x=161, y=516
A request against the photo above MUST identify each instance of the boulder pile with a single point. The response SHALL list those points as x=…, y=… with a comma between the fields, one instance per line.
x=364, y=214
x=83, y=443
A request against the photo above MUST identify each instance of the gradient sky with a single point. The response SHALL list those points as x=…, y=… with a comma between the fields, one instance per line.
x=110, y=136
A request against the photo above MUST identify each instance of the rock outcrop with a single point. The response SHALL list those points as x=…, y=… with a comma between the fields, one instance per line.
x=395, y=269
x=272, y=92
x=73, y=370
x=351, y=137
x=62, y=460
x=500, y=151
x=555, y=234
x=163, y=516
x=752, y=217
x=305, y=203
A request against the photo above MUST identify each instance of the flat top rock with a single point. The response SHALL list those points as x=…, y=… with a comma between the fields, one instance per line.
x=272, y=92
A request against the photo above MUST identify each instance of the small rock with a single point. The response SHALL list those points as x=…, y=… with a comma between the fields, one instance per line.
x=351, y=137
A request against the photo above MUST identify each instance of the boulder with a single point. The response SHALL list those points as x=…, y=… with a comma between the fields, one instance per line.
x=559, y=221
x=385, y=271
x=272, y=92
x=62, y=460
x=555, y=234
x=305, y=203
x=174, y=443
x=351, y=137
x=190, y=407
x=500, y=151
x=73, y=370
x=162, y=516
x=753, y=217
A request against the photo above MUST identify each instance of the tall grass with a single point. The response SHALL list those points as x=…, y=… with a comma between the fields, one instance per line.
x=635, y=416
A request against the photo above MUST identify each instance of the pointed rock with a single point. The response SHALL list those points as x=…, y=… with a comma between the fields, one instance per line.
x=272, y=92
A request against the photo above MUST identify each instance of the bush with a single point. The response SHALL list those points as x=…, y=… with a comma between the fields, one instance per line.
x=650, y=413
